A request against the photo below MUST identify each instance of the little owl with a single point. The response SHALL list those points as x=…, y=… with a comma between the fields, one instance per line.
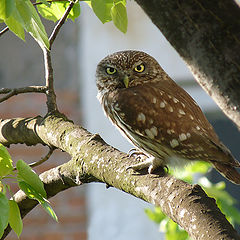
x=158, y=116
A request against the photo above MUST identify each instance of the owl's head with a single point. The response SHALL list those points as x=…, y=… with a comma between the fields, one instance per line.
x=126, y=69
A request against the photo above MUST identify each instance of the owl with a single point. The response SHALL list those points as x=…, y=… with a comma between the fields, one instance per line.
x=157, y=116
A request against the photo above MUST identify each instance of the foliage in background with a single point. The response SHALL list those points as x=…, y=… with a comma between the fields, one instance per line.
x=28, y=181
x=20, y=15
x=223, y=199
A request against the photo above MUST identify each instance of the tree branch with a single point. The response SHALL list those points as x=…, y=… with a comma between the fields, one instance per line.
x=60, y=23
x=94, y=160
x=51, y=96
x=16, y=91
x=3, y=31
x=50, y=93
x=206, y=35
x=44, y=159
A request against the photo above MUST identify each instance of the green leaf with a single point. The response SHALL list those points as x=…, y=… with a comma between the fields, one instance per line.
x=157, y=215
x=119, y=16
x=6, y=8
x=15, y=24
x=102, y=9
x=6, y=166
x=75, y=12
x=46, y=206
x=224, y=201
x=231, y=212
x=4, y=209
x=56, y=10
x=30, y=191
x=173, y=231
x=45, y=2
x=53, y=12
x=32, y=22
x=26, y=174
x=187, y=173
x=200, y=167
x=15, y=220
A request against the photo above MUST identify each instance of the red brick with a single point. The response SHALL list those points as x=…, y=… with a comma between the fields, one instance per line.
x=70, y=205
x=77, y=201
x=72, y=219
x=80, y=236
x=52, y=236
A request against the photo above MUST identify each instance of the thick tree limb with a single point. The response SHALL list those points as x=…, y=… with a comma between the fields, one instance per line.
x=206, y=34
x=94, y=160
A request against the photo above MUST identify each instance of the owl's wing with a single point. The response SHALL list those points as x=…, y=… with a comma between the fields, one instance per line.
x=153, y=118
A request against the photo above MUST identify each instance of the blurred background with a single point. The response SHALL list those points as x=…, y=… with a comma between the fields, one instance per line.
x=92, y=211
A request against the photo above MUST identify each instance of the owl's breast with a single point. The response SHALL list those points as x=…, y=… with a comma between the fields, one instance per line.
x=162, y=124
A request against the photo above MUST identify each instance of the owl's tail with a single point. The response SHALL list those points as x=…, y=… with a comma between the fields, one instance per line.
x=228, y=171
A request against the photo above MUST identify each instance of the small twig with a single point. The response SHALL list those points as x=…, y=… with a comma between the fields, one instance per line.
x=44, y=159
x=51, y=96
x=16, y=91
x=3, y=31
x=60, y=23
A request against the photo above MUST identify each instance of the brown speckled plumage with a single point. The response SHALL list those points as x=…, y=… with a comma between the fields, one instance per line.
x=157, y=115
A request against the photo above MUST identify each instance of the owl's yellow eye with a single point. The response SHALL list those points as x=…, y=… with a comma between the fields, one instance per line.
x=110, y=70
x=139, y=68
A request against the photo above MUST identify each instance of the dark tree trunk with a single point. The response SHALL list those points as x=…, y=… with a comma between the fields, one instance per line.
x=206, y=34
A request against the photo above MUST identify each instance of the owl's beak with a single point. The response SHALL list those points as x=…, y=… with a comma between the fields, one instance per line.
x=126, y=81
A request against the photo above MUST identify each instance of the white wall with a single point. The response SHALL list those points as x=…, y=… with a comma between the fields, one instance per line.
x=114, y=214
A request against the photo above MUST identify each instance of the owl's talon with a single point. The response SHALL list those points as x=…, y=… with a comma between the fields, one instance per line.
x=150, y=163
x=134, y=151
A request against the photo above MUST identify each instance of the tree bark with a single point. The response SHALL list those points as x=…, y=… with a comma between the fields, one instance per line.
x=206, y=34
x=95, y=161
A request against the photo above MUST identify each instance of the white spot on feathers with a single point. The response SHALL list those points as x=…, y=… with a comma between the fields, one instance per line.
x=149, y=133
x=182, y=137
x=141, y=117
x=174, y=143
x=162, y=105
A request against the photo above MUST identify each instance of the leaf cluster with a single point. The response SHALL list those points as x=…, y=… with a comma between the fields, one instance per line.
x=28, y=181
x=21, y=15
x=223, y=199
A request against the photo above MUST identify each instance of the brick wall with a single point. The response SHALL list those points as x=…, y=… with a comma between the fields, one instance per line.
x=68, y=205
x=21, y=65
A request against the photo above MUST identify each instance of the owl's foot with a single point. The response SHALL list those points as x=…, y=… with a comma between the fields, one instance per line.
x=151, y=163
x=135, y=152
